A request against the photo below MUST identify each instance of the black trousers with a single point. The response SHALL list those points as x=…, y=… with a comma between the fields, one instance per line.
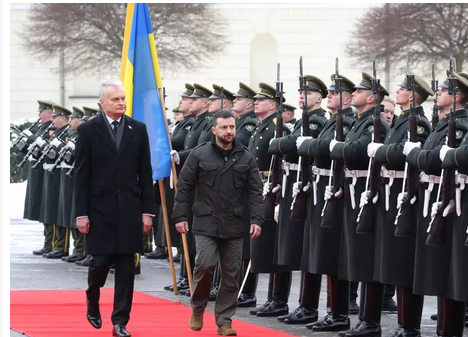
x=123, y=290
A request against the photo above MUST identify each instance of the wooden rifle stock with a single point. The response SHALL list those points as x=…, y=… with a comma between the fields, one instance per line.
x=404, y=222
x=366, y=223
x=331, y=212
x=436, y=235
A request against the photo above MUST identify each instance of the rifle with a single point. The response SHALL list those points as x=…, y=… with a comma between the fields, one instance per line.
x=270, y=198
x=435, y=108
x=330, y=208
x=404, y=218
x=34, y=146
x=366, y=216
x=49, y=146
x=64, y=151
x=299, y=204
x=22, y=134
x=438, y=224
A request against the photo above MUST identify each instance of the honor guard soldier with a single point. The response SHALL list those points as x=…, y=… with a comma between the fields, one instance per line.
x=357, y=250
x=199, y=107
x=33, y=200
x=262, y=249
x=457, y=159
x=288, y=116
x=215, y=106
x=321, y=251
x=89, y=113
x=243, y=110
x=63, y=165
x=246, y=120
x=394, y=255
x=51, y=188
x=432, y=262
x=291, y=232
x=178, y=136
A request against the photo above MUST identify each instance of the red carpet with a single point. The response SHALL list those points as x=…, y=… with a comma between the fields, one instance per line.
x=62, y=313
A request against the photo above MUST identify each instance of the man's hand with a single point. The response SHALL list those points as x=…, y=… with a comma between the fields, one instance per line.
x=301, y=140
x=329, y=193
x=409, y=146
x=83, y=225
x=437, y=206
x=175, y=157
x=147, y=223
x=268, y=187
x=255, y=230
x=443, y=151
x=401, y=198
x=182, y=227
x=372, y=149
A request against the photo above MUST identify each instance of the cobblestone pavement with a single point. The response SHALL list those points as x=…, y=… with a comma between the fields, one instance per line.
x=28, y=271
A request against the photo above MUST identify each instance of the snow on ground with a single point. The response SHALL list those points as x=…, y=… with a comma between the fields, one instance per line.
x=17, y=195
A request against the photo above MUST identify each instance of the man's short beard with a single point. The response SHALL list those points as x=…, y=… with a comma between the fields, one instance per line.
x=224, y=141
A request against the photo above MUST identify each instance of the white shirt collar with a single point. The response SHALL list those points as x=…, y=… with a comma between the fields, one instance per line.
x=110, y=120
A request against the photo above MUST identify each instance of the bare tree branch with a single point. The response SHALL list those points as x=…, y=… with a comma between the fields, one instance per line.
x=91, y=35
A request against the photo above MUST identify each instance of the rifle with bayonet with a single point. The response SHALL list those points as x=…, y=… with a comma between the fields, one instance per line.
x=64, y=153
x=404, y=219
x=35, y=145
x=330, y=208
x=435, y=108
x=299, y=204
x=366, y=216
x=22, y=135
x=270, y=198
x=49, y=147
x=438, y=224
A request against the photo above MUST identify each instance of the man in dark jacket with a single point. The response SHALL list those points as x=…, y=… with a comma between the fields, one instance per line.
x=221, y=172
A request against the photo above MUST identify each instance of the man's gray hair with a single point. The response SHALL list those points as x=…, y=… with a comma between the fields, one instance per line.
x=108, y=83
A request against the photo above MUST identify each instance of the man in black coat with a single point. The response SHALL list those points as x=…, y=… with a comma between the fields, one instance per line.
x=220, y=172
x=114, y=200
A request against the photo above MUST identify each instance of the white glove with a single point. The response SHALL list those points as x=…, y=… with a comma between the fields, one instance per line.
x=301, y=140
x=443, y=151
x=175, y=157
x=333, y=143
x=437, y=205
x=295, y=189
x=39, y=141
x=329, y=193
x=410, y=146
x=27, y=133
x=70, y=145
x=307, y=187
x=372, y=149
x=55, y=142
x=365, y=198
x=401, y=197
x=267, y=188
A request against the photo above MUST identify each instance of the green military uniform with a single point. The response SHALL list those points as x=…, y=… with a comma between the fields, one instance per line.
x=33, y=200
x=51, y=191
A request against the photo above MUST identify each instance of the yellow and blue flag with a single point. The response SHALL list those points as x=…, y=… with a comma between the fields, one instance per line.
x=142, y=80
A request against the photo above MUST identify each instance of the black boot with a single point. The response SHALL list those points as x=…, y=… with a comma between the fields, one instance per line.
x=279, y=303
x=269, y=298
x=403, y=332
x=302, y=315
x=453, y=318
x=182, y=284
x=310, y=294
x=410, y=317
x=331, y=323
x=246, y=301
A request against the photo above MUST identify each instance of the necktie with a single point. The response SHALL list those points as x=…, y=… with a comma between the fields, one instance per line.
x=114, y=129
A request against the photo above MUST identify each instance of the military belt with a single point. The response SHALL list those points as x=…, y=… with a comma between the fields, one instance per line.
x=31, y=159
x=321, y=171
x=290, y=166
x=429, y=178
x=356, y=173
x=392, y=174
x=65, y=165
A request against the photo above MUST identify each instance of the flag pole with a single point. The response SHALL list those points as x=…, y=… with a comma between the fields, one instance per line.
x=164, y=205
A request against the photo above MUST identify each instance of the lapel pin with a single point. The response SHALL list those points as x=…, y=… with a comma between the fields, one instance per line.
x=130, y=127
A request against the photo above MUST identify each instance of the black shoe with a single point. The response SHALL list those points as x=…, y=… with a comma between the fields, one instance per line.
x=246, y=300
x=182, y=284
x=264, y=306
x=353, y=307
x=365, y=329
x=73, y=258
x=177, y=258
x=94, y=320
x=389, y=305
x=331, y=323
x=185, y=292
x=41, y=251
x=119, y=330
x=85, y=263
x=302, y=316
x=213, y=293
x=55, y=255
x=156, y=255
x=276, y=308
x=402, y=332
x=343, y=333
x=434, y=317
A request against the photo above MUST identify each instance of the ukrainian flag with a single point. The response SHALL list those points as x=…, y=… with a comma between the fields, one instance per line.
x=142, y=80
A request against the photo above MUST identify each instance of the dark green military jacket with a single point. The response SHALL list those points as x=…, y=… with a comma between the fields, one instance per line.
x=245, y=124
x=180, y=132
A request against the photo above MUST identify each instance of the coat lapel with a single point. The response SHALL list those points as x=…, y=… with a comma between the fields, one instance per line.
x=103, y=131
x=126, y=134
